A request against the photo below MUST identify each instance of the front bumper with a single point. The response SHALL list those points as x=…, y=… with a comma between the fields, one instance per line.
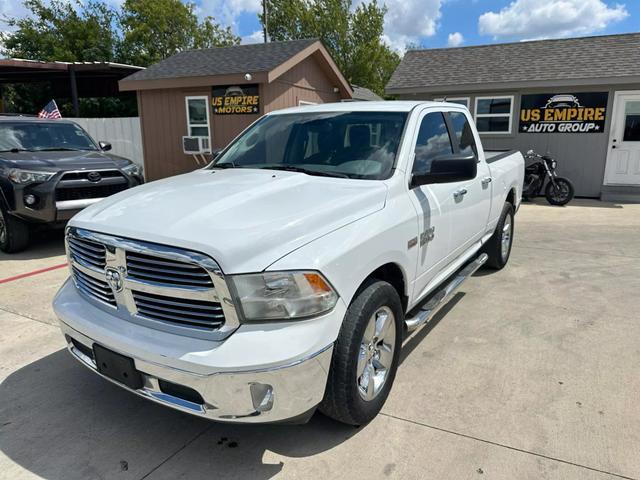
x=283, y=388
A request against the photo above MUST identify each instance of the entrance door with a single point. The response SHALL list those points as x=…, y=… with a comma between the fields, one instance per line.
x=623, y=158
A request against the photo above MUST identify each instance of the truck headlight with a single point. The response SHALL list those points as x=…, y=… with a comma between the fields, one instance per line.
x=23, y=177
x=133, y=169
x=283, y=295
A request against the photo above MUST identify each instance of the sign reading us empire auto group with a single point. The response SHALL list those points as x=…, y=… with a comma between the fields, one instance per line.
x=563, y=112
x=235, y=99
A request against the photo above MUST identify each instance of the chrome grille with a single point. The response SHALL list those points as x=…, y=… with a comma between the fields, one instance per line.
x=87, y=252
x=166, y=271
x=158, y=286
x=93, y=287
x=193, y=313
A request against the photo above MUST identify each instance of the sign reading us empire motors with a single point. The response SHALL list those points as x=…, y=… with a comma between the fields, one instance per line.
x=563, y=112
x=235, y=99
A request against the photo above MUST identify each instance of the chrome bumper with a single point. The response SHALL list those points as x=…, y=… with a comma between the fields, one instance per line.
x=259, y=396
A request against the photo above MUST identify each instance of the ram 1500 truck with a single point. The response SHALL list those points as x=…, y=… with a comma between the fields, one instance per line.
x=282, y=277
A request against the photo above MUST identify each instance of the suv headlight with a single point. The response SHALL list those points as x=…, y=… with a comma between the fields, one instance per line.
x=283, y=295
x=23, y=177
x=133, y=169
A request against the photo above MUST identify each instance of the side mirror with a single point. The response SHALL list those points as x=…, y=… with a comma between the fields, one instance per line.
x=104, y=146
x=448, y=169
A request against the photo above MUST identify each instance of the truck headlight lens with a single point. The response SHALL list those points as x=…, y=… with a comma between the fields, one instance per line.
x=133, y=169
x=23, y=177
x=283, y=295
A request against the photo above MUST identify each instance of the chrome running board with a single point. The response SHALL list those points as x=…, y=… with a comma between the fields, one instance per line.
x=442, y=296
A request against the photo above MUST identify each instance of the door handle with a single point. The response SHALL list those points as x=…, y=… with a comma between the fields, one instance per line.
x=486, y=181
x=458, y=194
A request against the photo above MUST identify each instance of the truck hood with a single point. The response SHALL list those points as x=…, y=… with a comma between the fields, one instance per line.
x=62, y=160
x=245, y=219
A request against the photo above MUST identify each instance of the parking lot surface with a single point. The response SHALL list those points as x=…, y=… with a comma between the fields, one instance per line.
x=530, y=372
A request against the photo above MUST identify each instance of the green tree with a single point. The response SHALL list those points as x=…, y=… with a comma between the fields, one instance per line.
x=352, y=36
x=68, y=31
x=156, y=29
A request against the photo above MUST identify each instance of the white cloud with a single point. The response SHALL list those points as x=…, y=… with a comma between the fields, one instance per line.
x=535, y=19
x=255, y=37
x=455, y=39
x=227, y=12
x=408, y=21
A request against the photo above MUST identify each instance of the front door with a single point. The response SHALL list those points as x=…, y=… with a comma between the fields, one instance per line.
x=623, y=158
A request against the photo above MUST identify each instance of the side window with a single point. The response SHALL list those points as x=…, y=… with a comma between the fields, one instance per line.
x=433, y=141
x=463, y=133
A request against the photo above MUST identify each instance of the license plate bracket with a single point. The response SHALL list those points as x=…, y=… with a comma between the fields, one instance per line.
x=117, y=367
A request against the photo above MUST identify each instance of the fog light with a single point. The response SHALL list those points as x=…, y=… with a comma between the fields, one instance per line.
x=30, y=199
x=262, y=397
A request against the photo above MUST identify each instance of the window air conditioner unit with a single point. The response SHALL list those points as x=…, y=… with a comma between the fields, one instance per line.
x=195, y=145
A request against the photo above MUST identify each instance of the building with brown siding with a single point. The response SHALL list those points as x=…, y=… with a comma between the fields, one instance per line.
x=216, y=93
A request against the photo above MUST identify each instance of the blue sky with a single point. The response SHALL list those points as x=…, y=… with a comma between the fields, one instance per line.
x=442, y=23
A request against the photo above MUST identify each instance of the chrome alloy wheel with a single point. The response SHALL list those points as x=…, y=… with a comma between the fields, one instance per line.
x=3, y=229
x=376, y=353
x=505, y=240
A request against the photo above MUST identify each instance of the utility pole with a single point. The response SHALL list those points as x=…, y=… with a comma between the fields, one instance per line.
x=265, y=28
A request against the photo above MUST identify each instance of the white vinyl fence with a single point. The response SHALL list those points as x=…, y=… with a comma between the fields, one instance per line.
x=122, y=133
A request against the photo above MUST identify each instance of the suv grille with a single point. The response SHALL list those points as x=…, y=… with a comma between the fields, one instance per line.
x=82, y=193
x=80, y=186
x=192, y=313
x=161, y=270
x=93, y=287
x=87, y=252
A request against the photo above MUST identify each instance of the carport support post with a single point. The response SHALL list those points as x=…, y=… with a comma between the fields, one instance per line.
x=74, y=93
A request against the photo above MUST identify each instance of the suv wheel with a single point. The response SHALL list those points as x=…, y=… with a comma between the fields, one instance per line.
x=365, y=356
x=14, y=233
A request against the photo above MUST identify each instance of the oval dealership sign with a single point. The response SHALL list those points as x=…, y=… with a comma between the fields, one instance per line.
x=563, y=112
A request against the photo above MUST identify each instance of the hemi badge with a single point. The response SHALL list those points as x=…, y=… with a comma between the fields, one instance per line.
x=412, y=243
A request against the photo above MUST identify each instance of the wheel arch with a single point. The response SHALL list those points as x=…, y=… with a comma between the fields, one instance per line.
x=393, y=274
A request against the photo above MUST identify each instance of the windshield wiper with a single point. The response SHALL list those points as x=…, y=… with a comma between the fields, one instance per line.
x=58, y=149
x=16, y=150
x=293, y=168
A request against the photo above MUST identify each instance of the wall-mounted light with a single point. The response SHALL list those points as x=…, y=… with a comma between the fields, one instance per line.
x=248, y=77
x=336, y=90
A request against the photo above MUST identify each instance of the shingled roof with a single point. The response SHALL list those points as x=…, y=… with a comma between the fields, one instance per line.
x=574, y=60
x=253, y=58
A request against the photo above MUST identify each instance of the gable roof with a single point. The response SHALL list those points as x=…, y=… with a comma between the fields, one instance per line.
x=364, y=94
x=573, y=61
x=264, y=61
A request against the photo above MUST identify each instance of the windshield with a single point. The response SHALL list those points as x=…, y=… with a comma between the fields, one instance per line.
x=341, y=144
x=41, y=136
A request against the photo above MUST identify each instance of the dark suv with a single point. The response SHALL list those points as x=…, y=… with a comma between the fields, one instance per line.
x=50, y=170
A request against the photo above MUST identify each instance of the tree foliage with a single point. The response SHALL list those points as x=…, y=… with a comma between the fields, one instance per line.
x=156, y=29
x=353, y=36
x=69, y=31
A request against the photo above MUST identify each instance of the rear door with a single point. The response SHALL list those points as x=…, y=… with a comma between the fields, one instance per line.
x=471, y=198
x=433, y=203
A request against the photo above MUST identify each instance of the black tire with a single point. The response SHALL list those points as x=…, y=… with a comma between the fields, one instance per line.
x=561, y=196
x=493, y=248
x=14, y=233
x=343, y=400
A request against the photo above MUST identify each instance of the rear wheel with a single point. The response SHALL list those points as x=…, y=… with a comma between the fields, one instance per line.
x=498, y=247
x=14, y=233
x=561, y=193
x=365, y=356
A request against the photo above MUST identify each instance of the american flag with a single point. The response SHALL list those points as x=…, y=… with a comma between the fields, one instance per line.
x=50, y=111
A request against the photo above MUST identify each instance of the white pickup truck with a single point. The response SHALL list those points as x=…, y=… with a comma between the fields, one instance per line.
x=282, y=277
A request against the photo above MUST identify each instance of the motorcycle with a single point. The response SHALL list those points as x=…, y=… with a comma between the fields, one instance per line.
x=558, y=190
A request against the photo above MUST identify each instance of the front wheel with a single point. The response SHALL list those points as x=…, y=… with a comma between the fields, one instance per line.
x=561, y=193
x=14, y=233
x=365, y=356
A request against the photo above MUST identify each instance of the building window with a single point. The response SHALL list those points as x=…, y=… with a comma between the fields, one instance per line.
x=198, y=116
x=494, y=114
x=459, y=100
